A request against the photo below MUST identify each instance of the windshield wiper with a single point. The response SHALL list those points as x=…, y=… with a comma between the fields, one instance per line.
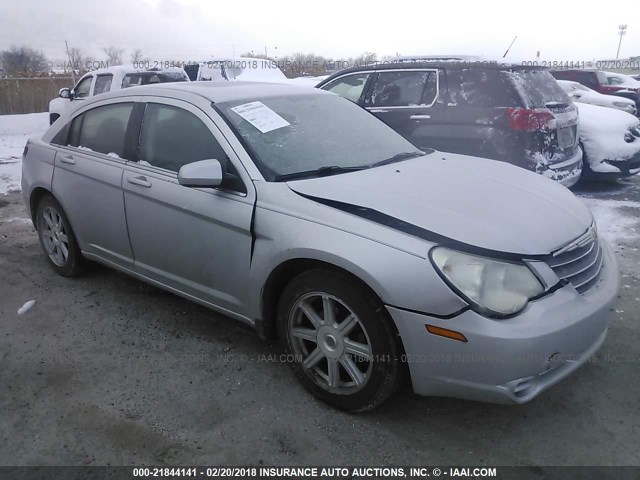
x=399, y=157
x=319, y=172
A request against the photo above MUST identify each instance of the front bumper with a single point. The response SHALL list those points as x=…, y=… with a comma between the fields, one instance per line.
x=628, y=167
x=511, y=360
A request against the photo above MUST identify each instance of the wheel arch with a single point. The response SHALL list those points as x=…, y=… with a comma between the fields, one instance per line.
x=36, y=195
x=280, y=277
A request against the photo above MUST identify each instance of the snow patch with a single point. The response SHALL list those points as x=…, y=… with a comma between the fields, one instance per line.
x=613, y=222
x=15, y=130
x=26, y=307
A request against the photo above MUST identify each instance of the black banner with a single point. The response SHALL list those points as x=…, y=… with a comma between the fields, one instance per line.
x=321, y=473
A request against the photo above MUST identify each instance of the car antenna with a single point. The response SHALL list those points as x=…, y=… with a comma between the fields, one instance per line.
x=511, y=45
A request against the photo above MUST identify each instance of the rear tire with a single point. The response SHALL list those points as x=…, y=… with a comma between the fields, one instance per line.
x=57, y=238
x=344, y=346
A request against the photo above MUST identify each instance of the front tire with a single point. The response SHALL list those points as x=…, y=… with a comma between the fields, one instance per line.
x=57, y=239
x=345, y=348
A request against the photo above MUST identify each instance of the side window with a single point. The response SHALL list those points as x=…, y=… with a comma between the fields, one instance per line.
x=487, y=88
x=172, y=137
x=587, y=78
x=349, y=87
x=130, y=80
x=402, y=89
x=102, y=129
x=82, y=89
x=614, y=81
x=103, y=84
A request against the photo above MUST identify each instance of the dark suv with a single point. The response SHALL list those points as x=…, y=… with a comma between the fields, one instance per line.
x=506, y=112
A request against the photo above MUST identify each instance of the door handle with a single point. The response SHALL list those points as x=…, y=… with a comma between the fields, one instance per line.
x=68, y=159
x=140, y=181
x=420, y=117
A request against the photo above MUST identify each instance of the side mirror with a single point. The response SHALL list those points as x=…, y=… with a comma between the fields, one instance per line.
x=205, y=173
x=577, y=94
x=64, y=93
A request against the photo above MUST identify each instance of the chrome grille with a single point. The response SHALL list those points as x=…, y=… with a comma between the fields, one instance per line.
x=579, y=263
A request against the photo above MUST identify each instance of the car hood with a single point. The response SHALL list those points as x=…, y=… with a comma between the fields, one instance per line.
x=595, y=98
x=606, y=119
x=482, y=203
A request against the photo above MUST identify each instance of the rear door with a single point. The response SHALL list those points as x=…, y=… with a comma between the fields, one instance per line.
x=407, y=101
x=87, y=180
x=475, y=120
x=196, y=240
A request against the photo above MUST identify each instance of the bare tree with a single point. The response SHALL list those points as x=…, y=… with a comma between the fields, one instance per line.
x=114, y=55
x=77, y=60
x=23, y=60
x=80, y=62
x=137, y=56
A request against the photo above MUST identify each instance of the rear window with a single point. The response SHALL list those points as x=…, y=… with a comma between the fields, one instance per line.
x=148, y=78
x=509, y=88
x=536, y=88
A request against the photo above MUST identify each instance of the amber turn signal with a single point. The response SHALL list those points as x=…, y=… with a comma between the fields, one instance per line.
x=443, y=332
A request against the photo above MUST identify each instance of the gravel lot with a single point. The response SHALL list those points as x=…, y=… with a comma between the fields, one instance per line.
x=107, y=370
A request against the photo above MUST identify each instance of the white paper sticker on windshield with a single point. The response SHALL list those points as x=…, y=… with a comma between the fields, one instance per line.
x=260, y=116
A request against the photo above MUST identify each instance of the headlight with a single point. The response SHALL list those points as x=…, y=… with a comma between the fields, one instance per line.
x=499, y=288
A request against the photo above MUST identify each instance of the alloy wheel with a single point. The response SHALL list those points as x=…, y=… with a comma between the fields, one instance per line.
x=330, y=342
x=54, y=236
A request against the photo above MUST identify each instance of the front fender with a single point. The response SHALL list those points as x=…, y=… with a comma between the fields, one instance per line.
x=398, y=277
x=59, y=105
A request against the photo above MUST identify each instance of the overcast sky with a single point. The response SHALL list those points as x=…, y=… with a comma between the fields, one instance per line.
x=199, y=29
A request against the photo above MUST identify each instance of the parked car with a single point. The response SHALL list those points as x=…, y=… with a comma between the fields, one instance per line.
x=620, y=79
x=580, y=93
x=598, y=81
x=295, y=211
x=229, y=69
x=109, y=80
x=505, y=112
x=610, y=141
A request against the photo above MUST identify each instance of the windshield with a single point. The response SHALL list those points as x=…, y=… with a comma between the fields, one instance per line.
x=306, y=132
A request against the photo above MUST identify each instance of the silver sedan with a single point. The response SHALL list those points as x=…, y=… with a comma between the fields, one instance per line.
x=297, y=212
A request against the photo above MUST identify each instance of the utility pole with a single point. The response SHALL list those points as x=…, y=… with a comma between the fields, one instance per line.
x=73, y=76
x=622, y=29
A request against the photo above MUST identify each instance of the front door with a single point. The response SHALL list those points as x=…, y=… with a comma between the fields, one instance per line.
x=196, y=240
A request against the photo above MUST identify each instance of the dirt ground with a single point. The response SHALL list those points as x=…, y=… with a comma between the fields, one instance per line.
x=107, y=370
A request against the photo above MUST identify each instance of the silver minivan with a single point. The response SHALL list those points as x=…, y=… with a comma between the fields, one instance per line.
x=296, y=211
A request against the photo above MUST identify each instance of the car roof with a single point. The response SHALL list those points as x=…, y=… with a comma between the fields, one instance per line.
x=218, y=92
x=453, y=62
x=124, y=69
